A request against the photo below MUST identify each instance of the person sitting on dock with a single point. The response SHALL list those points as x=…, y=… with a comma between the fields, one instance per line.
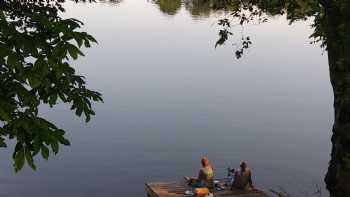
x=205, y=176
x=243, y=178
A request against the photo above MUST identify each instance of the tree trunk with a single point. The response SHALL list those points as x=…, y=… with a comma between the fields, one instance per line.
x=337, y=33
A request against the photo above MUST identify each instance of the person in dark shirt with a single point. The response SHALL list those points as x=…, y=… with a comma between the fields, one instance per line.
x=243, y=178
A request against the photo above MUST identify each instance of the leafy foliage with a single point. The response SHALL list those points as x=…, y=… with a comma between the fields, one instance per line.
x=248, y=11
x=169, y=7
x=37, y=48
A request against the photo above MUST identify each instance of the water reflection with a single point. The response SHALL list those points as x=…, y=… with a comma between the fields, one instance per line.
x=170, y=7
x=204, y=8
x=111, y=2
x=197, y=8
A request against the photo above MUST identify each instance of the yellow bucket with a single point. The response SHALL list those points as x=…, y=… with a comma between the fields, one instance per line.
x=201, y=192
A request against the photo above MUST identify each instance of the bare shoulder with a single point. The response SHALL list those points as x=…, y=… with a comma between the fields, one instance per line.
x=249, y=170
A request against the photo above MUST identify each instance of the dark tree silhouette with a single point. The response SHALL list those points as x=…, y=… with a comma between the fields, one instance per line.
x=37, y=48
x=169, y=7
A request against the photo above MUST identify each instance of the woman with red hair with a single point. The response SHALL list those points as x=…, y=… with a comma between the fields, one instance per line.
x=205, y=176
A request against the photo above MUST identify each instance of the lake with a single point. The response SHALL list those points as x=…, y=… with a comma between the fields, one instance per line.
x=172, y=97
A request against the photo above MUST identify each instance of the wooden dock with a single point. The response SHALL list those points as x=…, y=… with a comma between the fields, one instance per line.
x=177, y=189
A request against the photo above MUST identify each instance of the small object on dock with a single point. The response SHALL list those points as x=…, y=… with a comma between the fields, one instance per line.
x=181, y=189
x=188, y=193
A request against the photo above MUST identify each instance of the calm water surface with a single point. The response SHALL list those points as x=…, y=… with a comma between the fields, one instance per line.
x=171, y=97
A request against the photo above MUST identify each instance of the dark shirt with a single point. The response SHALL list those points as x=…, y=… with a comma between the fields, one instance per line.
x=243, y=179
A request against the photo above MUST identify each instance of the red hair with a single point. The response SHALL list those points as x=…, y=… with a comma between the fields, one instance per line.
x=205, y=161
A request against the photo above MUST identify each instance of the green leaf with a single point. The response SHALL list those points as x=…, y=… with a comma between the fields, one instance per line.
x=59, y=51
x=19, y=160
x=78, y=38
x=4, y=50
x=64, y=141
x=53, y=99
x=2, y=143
x=4, y=115
x=12, y=60
x=87, y=44
x=34, y=82
x=54, y=147
x=88, y=117
x=74, y=51
x=29, y=159
x=91, y=38
x=45, y=152
x=79, y=111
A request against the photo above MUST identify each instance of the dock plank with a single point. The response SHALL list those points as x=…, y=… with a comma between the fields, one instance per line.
x=177, y=189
